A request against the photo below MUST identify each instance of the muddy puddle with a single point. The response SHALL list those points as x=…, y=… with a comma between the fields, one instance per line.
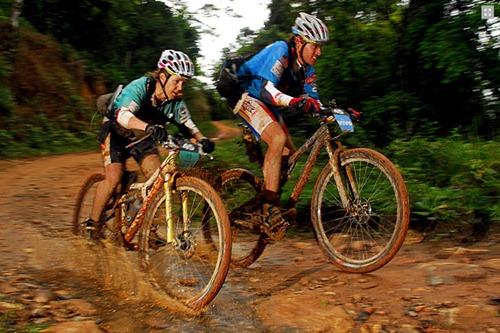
x=110, y=278
x=49, y=277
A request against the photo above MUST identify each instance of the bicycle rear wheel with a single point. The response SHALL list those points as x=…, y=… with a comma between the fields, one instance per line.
x=84, y=202
x=83, y=208
x=366, y=234
x=192, y=268
x=239, y=186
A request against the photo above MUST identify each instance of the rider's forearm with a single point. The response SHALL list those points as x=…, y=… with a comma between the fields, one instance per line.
x=188, y=132
x=127, y=119
x=191, y=126
x=198, y=136
x=272, y=95
x=185, y=122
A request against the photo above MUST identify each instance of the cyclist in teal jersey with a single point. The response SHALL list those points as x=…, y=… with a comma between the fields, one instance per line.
x=143, y=108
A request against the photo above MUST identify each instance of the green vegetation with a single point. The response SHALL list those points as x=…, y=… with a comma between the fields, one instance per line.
x=59, y=59
x=419, y=73
x=9, y=323
x=425, y=74
x=5, y=327
x=451, y=177
x=231, y=154
x=448, y=178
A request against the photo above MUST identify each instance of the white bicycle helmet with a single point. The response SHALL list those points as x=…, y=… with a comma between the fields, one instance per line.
x=176, y=62
x=311, y=28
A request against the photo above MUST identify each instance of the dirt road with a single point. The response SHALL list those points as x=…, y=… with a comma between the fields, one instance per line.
x=51, y=280
x=225, y=131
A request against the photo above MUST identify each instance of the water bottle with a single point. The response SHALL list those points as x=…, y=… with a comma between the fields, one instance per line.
x=134, y=206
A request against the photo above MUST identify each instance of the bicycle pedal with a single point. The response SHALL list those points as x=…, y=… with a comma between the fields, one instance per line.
x=289, y=214
x=273, y=217
x=276, y=232
x=277, y=223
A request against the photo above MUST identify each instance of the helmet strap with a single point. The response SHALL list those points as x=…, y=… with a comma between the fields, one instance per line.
x=300, y=53
x=301, y=58
x=162, y=85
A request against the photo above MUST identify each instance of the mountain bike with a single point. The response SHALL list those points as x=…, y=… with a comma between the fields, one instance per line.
x=161, y=218
x=360, y=208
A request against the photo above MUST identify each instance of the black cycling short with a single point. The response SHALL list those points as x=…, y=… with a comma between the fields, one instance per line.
x=113, y=149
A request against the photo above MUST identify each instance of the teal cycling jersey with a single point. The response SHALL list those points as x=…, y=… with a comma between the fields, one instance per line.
x=137, y=97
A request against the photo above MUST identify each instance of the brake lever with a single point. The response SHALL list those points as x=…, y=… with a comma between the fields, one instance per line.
x=207, y=155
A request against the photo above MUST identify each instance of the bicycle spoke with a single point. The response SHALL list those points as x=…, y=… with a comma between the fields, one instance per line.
x=190, y=267
x=365, y=234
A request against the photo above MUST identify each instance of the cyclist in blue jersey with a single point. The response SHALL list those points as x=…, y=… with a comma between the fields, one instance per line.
x=142, y=108
x=280, y=75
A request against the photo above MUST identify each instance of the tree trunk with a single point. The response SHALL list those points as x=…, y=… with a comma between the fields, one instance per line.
x=16, y=12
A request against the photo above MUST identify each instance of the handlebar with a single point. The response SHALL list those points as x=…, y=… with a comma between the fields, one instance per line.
x=176, y=143
x=133, y=143
x=326, y=114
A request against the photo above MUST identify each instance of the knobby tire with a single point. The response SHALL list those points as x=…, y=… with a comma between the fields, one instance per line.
x=368, y=235
x=179, y=271
x=84, y=199
x=238, y=186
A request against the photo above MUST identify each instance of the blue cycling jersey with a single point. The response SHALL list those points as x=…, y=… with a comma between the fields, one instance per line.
x=136, y=99
x=272, y=64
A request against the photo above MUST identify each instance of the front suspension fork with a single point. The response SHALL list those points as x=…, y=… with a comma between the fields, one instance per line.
x=169, y=218
x=338, y=172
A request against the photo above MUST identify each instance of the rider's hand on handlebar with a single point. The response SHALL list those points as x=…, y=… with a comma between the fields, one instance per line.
x=325, y=114
x=305, y=104
x=207, y=145
x=355, y=113
x=157, y=132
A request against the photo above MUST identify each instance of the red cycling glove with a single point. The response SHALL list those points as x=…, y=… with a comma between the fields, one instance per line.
x=355, y=113
x=305, y=104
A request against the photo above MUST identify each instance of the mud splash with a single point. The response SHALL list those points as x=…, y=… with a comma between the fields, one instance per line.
x=106, y=269
x=113, y=268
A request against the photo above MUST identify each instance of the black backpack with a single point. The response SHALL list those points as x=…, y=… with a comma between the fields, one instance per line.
x=228, y=85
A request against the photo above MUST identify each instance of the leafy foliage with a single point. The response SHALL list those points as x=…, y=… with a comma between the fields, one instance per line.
x=6, y=99
x=425, y=74
x=41, y=136
x=450, y=177
x=414, y=69
x=114, y=32
x=85, y=48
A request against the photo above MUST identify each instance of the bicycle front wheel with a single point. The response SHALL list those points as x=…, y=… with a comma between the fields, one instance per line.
x=191, y=268
x=365, y=234
x=238, y=186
